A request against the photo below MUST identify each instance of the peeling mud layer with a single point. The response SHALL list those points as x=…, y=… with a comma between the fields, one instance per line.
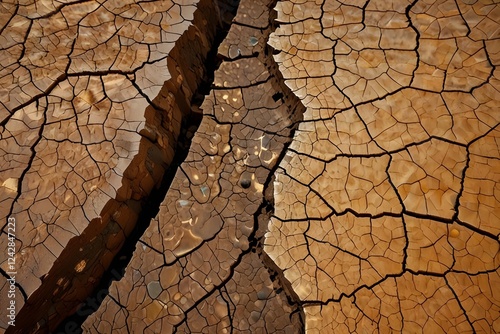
x=338, y=173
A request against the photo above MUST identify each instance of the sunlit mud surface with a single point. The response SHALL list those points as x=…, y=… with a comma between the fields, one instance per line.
x=339, y=172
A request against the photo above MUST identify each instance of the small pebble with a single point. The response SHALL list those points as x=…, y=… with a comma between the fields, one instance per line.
x=245, y=183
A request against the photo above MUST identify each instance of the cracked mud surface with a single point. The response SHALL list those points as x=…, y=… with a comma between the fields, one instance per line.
x=387, y=201
x=344, y=178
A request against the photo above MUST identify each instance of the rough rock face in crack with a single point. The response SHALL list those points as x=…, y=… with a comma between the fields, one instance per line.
x=197, y=267
x=387, y=212
x=89, y=120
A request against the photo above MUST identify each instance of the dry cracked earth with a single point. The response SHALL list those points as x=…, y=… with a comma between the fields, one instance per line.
x=252, y=166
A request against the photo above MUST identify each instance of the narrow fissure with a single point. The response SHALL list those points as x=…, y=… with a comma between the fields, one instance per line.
x=266, y=210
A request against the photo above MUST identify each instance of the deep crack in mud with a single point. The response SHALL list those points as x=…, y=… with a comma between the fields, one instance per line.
x=189, y=126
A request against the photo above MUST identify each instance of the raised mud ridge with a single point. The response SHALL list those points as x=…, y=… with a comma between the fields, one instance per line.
x=171, y=114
